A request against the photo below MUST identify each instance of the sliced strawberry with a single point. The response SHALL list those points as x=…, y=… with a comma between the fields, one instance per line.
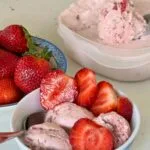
x=87, y=135
x=86, y=81
x=125, y=108
x=106, y=99
x=56, y=87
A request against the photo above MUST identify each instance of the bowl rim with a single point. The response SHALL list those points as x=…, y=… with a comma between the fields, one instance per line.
x=60, y=22
x=125, y=145
x=60, y=51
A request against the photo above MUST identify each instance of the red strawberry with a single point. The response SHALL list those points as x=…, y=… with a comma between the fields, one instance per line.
x=9, y=92
x=8, y=63
x=124, y=5
x=56, y=87
x=86, y=81
x=29, y=72
x=15, y=38
x=125, y=108
x=87, y=135
x=106, y=99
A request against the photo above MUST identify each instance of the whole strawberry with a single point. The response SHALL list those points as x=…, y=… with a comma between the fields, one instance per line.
x=15, y=38
x=8, y=62
x=29, y=72
x=9, y=92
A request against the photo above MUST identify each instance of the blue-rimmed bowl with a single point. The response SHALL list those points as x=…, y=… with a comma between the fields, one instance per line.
x=58, y=55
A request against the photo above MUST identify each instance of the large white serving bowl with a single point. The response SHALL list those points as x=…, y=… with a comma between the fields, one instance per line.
x=31, y=104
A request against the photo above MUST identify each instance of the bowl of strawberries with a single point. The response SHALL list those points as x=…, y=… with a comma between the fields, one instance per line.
x=79, y=114
x=24, y=61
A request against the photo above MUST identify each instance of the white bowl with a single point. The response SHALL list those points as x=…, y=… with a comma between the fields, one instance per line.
x=31, y=103
x=126, y=62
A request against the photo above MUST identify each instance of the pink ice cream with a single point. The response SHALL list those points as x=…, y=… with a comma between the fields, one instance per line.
x=47, y=136
x=117, y=124
x=66, y=114
x=82, y=14
x=117, y=26
x=115, y=21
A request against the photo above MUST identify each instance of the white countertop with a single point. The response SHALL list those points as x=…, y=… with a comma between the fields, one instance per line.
x=39, y=17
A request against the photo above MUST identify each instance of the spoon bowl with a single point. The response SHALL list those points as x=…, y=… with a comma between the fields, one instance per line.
x=147, y=18
x=33, y=119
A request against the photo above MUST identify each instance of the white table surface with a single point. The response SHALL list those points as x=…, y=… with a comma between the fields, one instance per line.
x=39, y=17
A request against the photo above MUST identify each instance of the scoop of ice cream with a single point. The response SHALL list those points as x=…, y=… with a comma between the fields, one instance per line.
x=47, y=136
x=117, y=26
x=82, y=14
x=115, y=21
x=117, y=124
x=66, y=114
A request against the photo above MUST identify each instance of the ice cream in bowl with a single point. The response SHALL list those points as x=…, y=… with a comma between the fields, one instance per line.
x=79, y=114
x=108, y=36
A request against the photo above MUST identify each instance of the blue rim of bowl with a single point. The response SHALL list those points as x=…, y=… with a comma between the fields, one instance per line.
x=62, y=61
x=58, y=54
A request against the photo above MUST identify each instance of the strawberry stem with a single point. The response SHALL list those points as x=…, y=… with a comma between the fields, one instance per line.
x=30, y=43
x=35, y=50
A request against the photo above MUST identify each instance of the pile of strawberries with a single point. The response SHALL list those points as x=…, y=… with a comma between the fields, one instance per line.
x=57, y=87
x=22, y=66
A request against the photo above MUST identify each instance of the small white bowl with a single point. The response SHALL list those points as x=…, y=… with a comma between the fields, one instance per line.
x=125, y=62
x=31, y=103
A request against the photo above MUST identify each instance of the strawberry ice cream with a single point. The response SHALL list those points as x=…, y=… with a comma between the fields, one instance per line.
x=114, y=21
x=119, y=22
x=47, y=136
x=66, y=114
x=117, y=124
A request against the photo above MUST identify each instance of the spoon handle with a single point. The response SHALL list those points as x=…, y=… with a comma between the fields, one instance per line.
x=4, y=136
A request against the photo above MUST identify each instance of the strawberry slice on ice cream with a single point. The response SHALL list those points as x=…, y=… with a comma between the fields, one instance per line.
x=125, y=108
x=56, y=87
x=106, y=99
x=86, y=81
x=87, y=135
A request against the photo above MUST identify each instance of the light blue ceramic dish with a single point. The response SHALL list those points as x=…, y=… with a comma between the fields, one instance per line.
x=57, y=53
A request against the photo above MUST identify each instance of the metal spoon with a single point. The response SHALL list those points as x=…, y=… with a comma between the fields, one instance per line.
x=147, y=18
x=35, y=118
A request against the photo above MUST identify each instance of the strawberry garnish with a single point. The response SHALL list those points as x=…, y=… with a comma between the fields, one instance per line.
x=15, y=38
x=56, y=87
x=106, y=99
x=8, y=62
x=87, y=135
x=125, y=108
x=86, y=81
x=9, y=92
